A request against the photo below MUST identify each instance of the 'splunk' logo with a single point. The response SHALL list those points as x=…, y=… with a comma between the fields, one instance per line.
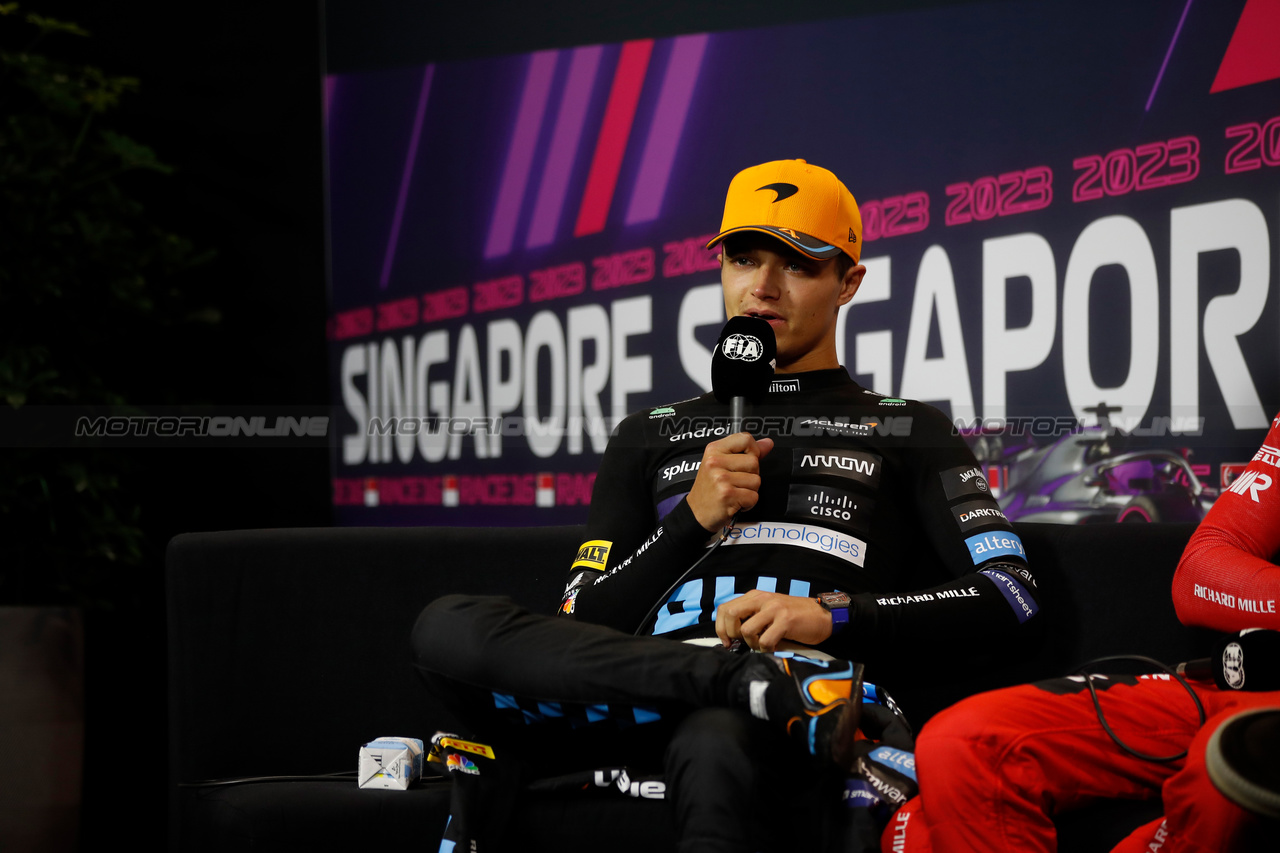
x=685, y=466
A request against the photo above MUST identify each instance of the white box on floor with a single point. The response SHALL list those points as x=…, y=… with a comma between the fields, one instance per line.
x=390, y=762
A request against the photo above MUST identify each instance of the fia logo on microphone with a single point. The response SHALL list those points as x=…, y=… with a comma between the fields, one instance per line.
x=1233, y=666
x=741, y=347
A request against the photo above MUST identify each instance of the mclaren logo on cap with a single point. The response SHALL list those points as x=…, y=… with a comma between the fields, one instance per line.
x=783, y=190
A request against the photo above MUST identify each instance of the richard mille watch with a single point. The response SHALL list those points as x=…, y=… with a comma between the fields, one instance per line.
x=838, y=605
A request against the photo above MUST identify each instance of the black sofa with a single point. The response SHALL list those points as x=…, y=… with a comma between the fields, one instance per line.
x=289, y=649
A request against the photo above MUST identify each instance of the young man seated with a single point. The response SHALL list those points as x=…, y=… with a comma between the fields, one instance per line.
x=839, y=522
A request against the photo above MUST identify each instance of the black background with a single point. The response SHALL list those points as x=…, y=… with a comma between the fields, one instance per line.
x=231, y=98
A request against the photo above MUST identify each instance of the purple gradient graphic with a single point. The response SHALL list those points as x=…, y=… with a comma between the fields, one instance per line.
x=565, y=140
x=664, y=132
x=524, y=138
x=1168, y=53
x=407, y=176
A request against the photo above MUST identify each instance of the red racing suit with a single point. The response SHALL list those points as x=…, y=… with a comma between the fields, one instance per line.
x=995, y=768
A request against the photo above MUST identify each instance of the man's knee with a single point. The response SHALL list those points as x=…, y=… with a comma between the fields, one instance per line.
x=961, y=735
x=441, y=626
x=712, y=734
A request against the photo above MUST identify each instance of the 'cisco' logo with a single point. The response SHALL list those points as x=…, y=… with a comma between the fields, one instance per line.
x=828, y=507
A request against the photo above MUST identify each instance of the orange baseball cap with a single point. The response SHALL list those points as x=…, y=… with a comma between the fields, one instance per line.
x=805, y=205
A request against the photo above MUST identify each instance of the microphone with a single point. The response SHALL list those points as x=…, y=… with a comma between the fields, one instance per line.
x=742, y=365
x=1247, y=660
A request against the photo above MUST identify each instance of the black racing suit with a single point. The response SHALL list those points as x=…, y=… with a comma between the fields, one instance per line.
x=873, y=496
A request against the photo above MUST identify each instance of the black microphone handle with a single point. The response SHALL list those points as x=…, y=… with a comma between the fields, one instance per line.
x=1200, y=669
x=737, y=410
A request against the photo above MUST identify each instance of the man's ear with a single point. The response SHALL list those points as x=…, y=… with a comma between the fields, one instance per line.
x=850, y=284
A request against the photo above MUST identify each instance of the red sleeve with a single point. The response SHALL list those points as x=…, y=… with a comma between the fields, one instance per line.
x=1225, y=579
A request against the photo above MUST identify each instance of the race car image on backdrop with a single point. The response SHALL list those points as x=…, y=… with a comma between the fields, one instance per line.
x=1087, y=475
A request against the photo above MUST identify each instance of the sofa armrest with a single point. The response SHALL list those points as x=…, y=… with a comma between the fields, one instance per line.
x=290, y=648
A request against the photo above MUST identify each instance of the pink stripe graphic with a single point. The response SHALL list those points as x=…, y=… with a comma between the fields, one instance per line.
x=406, y=176
x=668, y=124
x=614, y=133
x=515, y=175
x=565, y=140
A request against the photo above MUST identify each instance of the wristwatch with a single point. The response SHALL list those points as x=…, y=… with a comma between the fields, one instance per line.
x=838, y=604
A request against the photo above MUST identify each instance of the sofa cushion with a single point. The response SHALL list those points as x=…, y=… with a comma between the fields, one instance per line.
x=289, y=649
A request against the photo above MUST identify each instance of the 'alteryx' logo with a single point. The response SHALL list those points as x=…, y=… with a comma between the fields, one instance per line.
x=988, y=546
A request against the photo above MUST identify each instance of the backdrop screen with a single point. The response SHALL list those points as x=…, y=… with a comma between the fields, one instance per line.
x=1065, y=206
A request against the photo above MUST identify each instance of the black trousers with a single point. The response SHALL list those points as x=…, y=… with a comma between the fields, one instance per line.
x=523, y=680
